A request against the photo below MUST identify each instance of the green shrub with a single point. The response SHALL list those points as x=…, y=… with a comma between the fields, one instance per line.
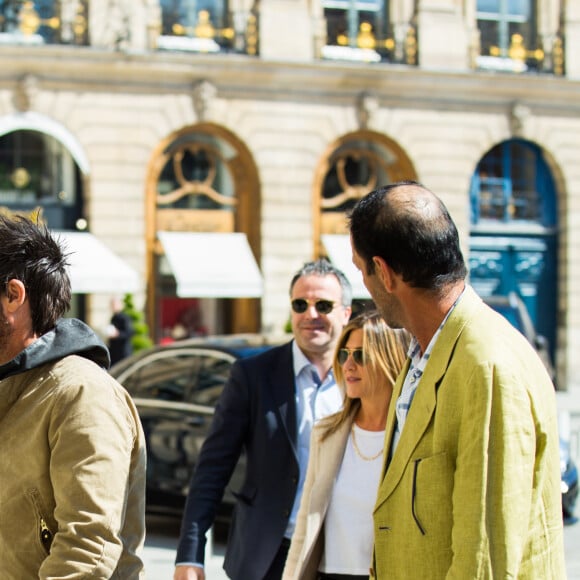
x=141, y=338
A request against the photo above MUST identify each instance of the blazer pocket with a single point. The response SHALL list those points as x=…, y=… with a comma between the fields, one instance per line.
x=432, y=487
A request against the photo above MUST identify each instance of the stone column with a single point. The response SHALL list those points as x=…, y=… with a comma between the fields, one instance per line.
x=286, y=30
x=572, y=35
x=443, y=39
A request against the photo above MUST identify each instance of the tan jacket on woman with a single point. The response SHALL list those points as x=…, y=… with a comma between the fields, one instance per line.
x=308, y=539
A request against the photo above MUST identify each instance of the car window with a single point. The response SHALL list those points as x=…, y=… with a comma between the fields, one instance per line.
x=208, y=380
x=194, y=376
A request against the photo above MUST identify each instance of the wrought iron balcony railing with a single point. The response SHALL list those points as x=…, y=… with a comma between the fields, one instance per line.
x=44, y=22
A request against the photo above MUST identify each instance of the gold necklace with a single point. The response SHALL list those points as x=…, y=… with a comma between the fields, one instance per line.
x=358, y=451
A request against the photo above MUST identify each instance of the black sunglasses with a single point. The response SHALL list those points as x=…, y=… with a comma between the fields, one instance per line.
x=358, y=356
x=299, y=305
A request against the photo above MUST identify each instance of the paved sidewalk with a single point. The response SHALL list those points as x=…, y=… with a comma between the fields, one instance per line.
x=160, y=546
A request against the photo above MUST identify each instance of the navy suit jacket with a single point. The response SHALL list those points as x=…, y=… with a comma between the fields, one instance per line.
x=256, y=413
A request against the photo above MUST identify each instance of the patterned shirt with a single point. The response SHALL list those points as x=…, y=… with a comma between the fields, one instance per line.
x=413, y=378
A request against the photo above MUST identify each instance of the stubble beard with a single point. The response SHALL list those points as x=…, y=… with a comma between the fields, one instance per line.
x=5, y=335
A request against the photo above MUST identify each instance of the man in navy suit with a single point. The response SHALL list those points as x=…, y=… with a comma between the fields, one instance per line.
x=267, y=409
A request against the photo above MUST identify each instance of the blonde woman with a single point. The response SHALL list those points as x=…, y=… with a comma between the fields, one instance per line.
x=334, y=530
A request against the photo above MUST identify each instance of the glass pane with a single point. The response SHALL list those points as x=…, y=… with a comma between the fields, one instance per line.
x=371, y=5
x=163, y=378
x=49, y=28
x=519, y=8
x=35, y=167
x=211, y=378
x=181, y=16
x=506, y=184
x=196, y=174
x=525, y=197
x=489, y=36
x=355, y=168
x=344, y=28
x=488, y=6
x=505, y=7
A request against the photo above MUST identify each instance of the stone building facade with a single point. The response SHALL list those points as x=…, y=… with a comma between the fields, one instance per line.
x=211, y=147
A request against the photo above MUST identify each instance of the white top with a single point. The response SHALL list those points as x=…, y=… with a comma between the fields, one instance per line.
x=348, y=526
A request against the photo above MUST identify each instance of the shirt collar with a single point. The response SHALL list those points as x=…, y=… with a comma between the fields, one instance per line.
x=301, y=363
x=414, y=352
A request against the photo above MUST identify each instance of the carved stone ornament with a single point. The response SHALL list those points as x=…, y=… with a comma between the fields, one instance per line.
x=203, y=95
x=518, y=116
x=366, y=105
x=25, y=92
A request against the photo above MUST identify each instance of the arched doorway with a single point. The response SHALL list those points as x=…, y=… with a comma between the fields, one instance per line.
x=514, y=233
x=352, y=166
x=203, y=226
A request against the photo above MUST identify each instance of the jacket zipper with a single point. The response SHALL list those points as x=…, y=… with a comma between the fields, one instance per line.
x=45, y=535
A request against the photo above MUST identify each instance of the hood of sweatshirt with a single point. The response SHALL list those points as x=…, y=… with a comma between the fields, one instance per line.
x=69, y=336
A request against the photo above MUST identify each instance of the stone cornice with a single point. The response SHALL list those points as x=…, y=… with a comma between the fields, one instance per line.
x=239, y=76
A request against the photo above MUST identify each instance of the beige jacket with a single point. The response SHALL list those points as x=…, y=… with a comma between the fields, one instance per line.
x=308, y=539
x=72, y=465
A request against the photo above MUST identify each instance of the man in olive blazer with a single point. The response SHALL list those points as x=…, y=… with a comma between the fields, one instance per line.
x=473, y=488
x=471, y=485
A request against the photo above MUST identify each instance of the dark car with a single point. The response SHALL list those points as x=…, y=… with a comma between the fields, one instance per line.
x=513, y=308
x=175, y=388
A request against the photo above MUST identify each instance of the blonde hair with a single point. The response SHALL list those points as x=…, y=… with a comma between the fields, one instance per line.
x=385, y=352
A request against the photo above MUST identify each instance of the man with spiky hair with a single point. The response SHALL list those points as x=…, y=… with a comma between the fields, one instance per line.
x=72, y=458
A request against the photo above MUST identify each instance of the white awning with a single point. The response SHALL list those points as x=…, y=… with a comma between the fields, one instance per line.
x=212, y=265
x=94, y=268
x=339, y=251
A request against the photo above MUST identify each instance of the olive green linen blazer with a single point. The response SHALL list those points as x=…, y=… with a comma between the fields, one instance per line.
x=473, y=488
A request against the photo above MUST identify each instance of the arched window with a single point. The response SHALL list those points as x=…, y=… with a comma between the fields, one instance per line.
x=507, y=186
x=356, y=164
x=514, y=233
x=203, y=235
x=37, y=170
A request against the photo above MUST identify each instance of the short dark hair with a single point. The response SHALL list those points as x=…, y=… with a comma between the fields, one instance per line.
x=323, y=267
x=30, y=254
x=412, y=232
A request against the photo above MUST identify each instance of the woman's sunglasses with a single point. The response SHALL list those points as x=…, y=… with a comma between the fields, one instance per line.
x=300, y=305
x=358, y=356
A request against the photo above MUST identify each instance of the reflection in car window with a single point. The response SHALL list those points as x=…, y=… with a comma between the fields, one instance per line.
x=210, y=380
x=192, y=376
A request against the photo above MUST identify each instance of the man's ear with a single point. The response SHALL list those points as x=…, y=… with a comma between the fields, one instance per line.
x=15, y=295
x=384, y=273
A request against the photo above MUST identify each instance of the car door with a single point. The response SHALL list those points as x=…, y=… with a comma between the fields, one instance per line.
x=175, y=391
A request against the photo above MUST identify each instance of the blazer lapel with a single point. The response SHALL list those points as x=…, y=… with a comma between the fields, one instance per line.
x=283, y=392
x=425, y=399
x=330, y=456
